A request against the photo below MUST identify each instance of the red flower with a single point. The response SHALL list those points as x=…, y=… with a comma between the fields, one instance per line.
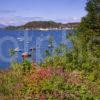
x=44, y=73
x=41, y=73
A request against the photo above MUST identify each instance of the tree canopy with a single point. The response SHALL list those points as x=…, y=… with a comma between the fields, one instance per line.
x=92, y=20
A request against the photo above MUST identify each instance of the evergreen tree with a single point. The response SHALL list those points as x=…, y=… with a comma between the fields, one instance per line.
x=90, y=24
x=89, y=35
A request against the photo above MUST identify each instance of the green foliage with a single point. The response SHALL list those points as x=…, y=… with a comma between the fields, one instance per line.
x=53, y=84
x=11, y=52
x=92, y=20
x=47, y=53
x=26, y=65
x=9, y=81
x=16, y=66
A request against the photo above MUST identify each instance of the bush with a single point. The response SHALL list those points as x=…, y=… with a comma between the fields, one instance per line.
x=26, y=65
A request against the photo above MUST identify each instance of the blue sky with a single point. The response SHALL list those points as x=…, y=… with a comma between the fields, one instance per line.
x=16, y=12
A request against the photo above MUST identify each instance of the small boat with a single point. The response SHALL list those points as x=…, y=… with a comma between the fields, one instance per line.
x=25, y=55
x=27, y=42
x=43, y=29
x=20, y=39
x=17, y=50
x=31, y=49
x=49, y=46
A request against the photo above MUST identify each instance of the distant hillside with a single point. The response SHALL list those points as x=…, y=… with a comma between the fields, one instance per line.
x=41, y=24
x=44, y=24
x=2, y=26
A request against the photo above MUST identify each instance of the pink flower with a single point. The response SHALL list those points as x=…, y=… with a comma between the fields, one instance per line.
x=42, y=97
x=44, y=73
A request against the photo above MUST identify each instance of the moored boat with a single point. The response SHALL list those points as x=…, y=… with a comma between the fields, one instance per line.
x=26, y=55
x=17, y=50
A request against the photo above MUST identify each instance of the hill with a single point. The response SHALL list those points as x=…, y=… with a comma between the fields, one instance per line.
x=44, y=25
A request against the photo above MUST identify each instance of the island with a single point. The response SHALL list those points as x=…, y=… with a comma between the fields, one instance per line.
x=45, y=25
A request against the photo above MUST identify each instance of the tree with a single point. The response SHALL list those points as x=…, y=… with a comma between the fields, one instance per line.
x=92, y=20
x=89, y=37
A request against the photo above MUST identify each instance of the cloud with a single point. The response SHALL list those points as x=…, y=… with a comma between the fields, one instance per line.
x=7, y=11
x=69, y=19
x=18, y=20
x=6, y=20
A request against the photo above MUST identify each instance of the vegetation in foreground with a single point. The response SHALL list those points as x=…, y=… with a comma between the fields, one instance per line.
x=48, y=83
x=73, y=76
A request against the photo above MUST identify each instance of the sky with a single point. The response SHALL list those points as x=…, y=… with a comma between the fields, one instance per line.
x=17, y=12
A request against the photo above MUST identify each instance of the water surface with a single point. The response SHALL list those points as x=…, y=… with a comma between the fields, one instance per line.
x=26, y=39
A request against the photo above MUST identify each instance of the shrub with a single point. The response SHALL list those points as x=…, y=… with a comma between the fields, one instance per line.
x=26, y=65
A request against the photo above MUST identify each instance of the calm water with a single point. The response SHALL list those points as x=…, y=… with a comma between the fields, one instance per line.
x=26, y=39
